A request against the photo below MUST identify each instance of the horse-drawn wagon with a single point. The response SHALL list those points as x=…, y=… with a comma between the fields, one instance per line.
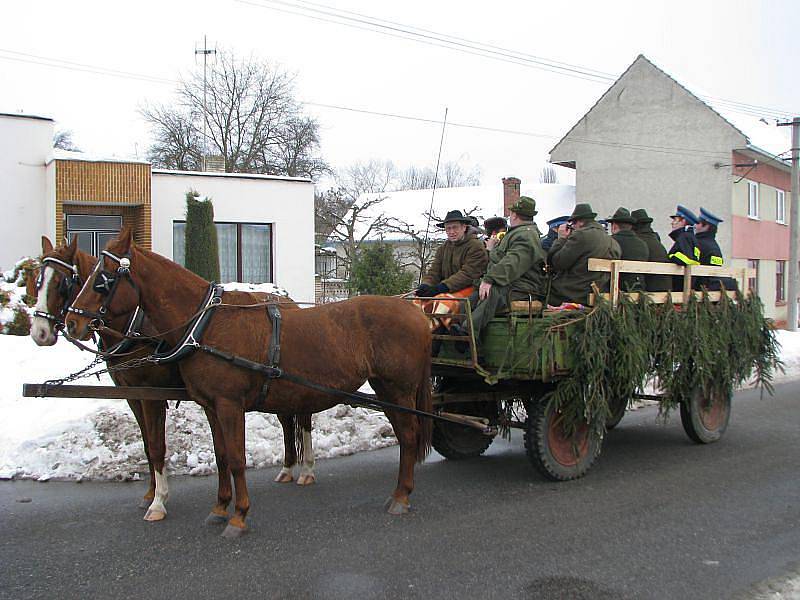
x=574, y=372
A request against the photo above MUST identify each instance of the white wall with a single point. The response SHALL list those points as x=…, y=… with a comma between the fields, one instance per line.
x=25, y=146
x=286, y=203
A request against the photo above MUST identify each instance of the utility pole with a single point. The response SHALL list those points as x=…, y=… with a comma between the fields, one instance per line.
x=205, y=51
x=793, y=225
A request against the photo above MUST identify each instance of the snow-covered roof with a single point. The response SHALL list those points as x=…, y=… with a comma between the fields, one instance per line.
x=230, y=175
x=24, y=116
x=59, y=154
x=483, y=201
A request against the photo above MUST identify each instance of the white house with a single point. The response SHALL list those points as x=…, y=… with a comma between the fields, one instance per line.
x=265, y=223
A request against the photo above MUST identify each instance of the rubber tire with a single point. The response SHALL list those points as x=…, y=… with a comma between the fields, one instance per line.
x=618, y=408
x=693, y=423
x=540, y=453
x=457, y=442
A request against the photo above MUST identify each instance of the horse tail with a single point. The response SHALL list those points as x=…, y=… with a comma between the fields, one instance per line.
x=424, y=403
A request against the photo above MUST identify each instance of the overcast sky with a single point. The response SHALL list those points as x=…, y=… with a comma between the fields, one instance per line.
x=741, y=50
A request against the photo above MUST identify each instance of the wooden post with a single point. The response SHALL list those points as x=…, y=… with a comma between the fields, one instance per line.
x=687, y=284
x=614, y=283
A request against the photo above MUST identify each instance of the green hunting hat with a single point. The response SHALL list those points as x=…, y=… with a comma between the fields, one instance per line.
x=640, y=217
x=582, y=212
x=525, y=206
x=621, y=216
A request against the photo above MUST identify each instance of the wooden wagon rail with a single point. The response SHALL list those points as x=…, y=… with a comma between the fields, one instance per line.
x=114, y=392
x=617, y=267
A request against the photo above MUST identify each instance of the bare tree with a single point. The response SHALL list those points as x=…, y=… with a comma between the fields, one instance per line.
x=548, y=175
x=252, y=119
x=349, y=213
x=451, y=174
x=63, y=141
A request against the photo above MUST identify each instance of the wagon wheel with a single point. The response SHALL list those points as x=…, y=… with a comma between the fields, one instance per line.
x=458, y=442
x=705, y=416
x=556, y=455
x=617, y=407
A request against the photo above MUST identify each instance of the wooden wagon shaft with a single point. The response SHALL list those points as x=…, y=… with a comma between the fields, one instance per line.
x=119, y=392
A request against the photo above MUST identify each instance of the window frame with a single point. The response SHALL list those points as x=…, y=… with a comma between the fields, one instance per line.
x=780, y=282
x=780, y=207
x=239, y=263
x=752, y=282
x=753, y=208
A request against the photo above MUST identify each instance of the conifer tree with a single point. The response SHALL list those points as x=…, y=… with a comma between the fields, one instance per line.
x=202, y=248
x=377, y=271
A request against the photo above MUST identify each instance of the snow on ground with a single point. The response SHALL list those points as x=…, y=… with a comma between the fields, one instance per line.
x=55, y=438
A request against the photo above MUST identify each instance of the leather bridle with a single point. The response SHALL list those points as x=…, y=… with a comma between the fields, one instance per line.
x=106, y=284
x=66, y=289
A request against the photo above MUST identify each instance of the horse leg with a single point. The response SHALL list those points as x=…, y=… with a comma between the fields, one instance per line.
x=405, y=430
x=307, y=476
x=138, y=414
x=231, y=419
x=219, y=514
x=286, y=474
x=155, y=420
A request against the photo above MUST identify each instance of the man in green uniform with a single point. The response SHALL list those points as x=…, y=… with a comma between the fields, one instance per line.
x=655, y=249
x=459, y=262
x=516, y=266
x=569, y=256
x=632, y=248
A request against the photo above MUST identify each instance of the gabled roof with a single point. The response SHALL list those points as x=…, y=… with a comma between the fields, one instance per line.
x=725, y=118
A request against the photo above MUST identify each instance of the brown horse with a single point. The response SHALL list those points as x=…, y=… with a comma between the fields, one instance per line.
x=385, y=341
x=55, y=292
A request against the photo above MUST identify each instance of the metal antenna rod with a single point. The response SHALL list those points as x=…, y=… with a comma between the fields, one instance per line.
x=433, y=194
x=205, y=52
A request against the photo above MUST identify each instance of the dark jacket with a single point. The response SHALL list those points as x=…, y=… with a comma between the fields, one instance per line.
x=569, y=263
x=656, y=253
x=711, y=255
x=684, y=252
x=518, y=262
x=547, y=241
x=458, y=264
x=632, y=249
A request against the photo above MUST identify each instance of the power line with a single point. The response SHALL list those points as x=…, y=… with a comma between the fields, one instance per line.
x=408, y=32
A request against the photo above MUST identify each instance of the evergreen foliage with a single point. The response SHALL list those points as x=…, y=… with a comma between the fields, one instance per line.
x=20, y=324
x=377, y=271
x=614, y=353
x=202, y=248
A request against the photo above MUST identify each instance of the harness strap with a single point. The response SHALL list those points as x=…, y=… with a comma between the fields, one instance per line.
x=274, y=352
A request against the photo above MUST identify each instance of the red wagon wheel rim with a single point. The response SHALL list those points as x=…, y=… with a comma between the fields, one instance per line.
x=713, y=411
x=567, y=450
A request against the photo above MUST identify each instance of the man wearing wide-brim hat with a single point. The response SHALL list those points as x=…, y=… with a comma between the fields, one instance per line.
x=569, y=257
x=459, y=262
x=655, y=250
x=632, y=248
x=516, y=267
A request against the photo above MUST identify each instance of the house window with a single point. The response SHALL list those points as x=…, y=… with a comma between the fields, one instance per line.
x=245, y=250
x=93, y=231
x=780, y=281
x=752, y=278
x=752, y=199
x=780, y=206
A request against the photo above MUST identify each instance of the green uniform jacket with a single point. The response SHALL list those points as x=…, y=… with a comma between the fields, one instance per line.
x=458, y=264
x=569, y=262
x=656, y=253
x=518, y=262
x=632, y=249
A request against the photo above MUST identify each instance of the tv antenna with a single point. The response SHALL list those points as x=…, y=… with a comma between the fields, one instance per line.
x=206, y=52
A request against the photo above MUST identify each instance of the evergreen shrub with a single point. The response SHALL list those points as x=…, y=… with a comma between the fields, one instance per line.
x=202, y=248
x=377, y=271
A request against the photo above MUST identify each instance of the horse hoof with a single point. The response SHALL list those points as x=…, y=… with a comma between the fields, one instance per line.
x=284, y=477
x=153, y=515
x=215, y=519
x=307, y=479
x=393, y=507
x=231, y=531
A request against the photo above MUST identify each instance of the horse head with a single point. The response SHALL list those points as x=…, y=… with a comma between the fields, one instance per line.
x=108, y=294
x=55, y=287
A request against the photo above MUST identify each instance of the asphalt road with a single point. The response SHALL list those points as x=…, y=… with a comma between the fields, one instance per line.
x=657, y=517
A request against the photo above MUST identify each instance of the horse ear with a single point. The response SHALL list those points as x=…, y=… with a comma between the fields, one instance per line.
x=125, y=238
x=47, y=245
x=72, y=247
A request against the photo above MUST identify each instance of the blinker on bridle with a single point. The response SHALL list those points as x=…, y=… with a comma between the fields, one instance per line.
x=105, y=283
x=65, y=288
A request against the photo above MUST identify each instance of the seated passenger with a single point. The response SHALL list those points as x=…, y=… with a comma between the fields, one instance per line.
x=631, y=246
x=552, y=231
x=495, y=227
x=710, y=253
x=655, y=250
x=516, y=267
x=684, y=251
x=583, y=238
x=459, y=262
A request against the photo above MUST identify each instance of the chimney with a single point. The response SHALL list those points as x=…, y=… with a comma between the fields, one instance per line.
x=510, y=193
